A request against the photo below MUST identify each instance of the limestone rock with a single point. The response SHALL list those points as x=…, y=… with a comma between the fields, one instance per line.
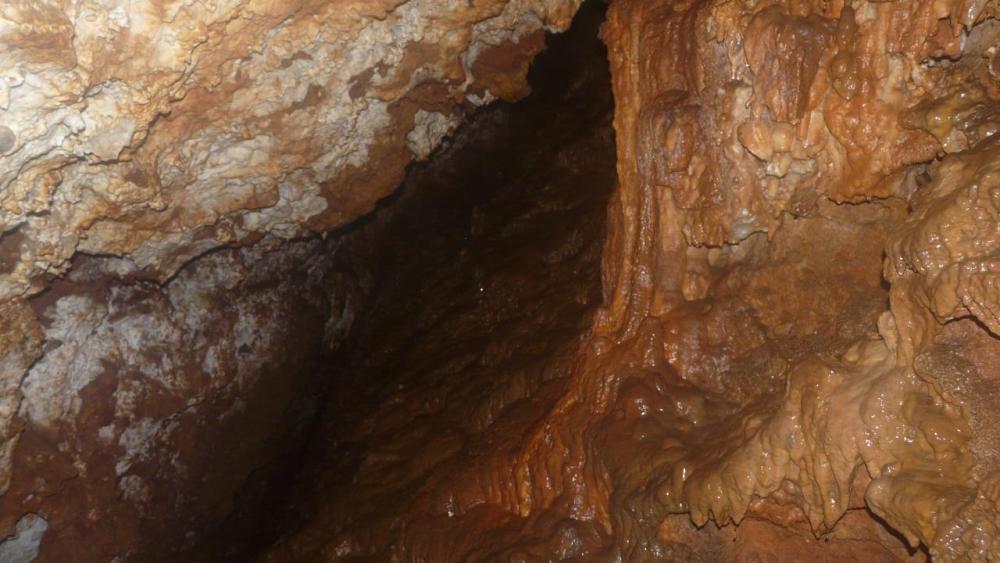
x=801, y=317
x=158, y=132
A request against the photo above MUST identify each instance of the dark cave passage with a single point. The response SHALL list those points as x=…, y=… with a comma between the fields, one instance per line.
x=483, y=271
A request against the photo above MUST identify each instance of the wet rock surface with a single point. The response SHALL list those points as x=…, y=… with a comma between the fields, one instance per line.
x=742, y=306
x=784, y=263
x=768, y=378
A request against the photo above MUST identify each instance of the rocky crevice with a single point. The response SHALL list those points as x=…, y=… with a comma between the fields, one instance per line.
x=794, y=355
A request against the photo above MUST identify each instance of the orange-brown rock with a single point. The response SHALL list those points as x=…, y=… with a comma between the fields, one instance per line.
x=797, y=355
x=802, y=204
x=161, y=131
x=152, y=134
x=770, y=154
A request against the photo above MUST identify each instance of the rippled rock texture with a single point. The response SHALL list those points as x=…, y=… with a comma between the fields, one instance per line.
x=795, y=356
x=802, y=253
x=160, y=130
x=147, y=135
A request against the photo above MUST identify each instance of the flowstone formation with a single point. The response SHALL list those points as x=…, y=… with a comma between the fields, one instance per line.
x=800, y=324
x=795, y=356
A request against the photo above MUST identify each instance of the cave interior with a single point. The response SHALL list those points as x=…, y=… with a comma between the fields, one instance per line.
x=505, y=280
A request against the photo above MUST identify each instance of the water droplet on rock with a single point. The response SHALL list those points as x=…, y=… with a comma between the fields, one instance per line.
x=7, y=139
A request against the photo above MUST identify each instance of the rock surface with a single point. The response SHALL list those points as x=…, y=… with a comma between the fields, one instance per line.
x=470, y=334
x=155, y=414
x=797, y=356
x=806, y=212
x=158, y=132
x=805, y=209
x=151, y=135
x=770, y=154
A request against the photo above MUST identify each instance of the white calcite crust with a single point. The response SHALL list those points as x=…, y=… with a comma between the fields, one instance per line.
x=159, y=130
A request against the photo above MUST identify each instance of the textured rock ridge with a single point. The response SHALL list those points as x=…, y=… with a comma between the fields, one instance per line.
x=797, y=356
x=161, y=131
x=749, y=364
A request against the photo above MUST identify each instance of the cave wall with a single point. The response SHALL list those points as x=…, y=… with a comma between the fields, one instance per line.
x=801, y=311
x=486, y=279
x=802, y=221
x=794, y=360
x=157, y=417
x=799, y=332
x=158, y=132
x=136, y=141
